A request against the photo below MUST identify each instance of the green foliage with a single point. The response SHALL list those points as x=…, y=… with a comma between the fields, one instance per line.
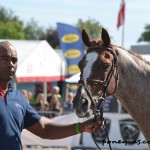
x=33, y=31
x=10, y=26
x=11, y=30
x=145, y=36
x=52, y=37
x=5, y=15
x=92, y=27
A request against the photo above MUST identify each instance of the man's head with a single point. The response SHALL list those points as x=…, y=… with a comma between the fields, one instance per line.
x=8, y=61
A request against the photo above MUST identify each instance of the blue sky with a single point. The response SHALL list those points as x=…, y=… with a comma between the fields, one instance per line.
x=49, y=12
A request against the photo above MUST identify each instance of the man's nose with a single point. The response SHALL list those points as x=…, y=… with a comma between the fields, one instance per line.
x=11, y=64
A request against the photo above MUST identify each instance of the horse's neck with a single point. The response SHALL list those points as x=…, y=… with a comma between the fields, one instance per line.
x=134, y=77
x=133, y=89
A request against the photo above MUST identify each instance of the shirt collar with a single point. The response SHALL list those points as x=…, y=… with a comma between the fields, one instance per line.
x=9, y=88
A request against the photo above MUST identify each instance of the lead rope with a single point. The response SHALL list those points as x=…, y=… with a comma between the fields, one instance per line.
x=98, y=115
x=106, y=132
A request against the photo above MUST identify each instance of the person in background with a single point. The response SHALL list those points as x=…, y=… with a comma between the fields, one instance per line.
x=25, y=93
x=38, y=89
x=68, y=105
x=17, y=114
x=41, y=103
x=55, y=106
x=49, y=92
x=28, y=95
x=55, y=91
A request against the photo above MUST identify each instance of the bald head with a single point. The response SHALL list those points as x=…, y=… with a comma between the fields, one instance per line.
x=8, y=61
x=5, y=45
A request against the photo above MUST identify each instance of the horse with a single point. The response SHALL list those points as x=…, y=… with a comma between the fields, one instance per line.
x=107, y=69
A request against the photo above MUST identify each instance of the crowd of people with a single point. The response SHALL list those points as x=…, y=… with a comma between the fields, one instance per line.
x=52, y=105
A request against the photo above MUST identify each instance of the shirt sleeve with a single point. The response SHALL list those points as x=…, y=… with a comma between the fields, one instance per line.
x=31, y=116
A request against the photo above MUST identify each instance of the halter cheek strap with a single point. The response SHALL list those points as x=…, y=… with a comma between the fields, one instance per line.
x=84, y=84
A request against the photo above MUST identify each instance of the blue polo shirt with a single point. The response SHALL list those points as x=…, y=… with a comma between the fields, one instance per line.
x=15, y=115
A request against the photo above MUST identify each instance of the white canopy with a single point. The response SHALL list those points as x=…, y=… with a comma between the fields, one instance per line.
x=74, y=79
x=38, y=62
x=146, y=56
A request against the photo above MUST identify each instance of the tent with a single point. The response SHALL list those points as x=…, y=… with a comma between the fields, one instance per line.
x=38, y=62
x=73, y=79
x=146, y=56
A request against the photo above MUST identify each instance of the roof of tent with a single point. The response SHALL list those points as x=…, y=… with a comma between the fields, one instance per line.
x=38, y=61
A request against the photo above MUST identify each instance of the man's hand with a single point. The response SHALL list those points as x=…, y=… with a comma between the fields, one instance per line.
x=91, y=126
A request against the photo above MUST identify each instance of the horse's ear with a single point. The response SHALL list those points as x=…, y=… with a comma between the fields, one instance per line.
x=105, y=38
x=86, y=38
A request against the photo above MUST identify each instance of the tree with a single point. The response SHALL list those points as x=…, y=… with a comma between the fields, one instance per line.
x=10, y=26
x=33, y=31
x=92, y=27
x=145, y=36
x=11, y=30
x=6, y=15
x=52, y=37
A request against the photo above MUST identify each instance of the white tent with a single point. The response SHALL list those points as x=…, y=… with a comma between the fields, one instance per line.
x=38, y=62
x=74, y=79
x=146, y=56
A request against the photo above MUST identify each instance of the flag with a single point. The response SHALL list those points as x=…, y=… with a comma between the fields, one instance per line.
x=121, y=14
x=72, y=47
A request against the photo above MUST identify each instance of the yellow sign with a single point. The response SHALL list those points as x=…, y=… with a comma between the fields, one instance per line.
x=73, y=86
x=70, y=38
x=73, y=69
x=72, y=53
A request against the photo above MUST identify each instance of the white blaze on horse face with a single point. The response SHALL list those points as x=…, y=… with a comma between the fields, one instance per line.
x=90, y=59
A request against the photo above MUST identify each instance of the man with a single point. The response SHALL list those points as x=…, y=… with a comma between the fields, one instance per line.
x=17, y=114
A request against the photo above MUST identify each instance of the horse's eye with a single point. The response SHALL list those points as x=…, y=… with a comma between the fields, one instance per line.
x=106, y=65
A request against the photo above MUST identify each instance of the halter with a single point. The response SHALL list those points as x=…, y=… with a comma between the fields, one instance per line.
x=104, y=83
x=98, y=111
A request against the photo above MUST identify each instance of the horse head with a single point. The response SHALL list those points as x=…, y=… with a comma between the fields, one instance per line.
x=98, y=77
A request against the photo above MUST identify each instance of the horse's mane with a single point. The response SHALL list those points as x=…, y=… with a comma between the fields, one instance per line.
x=132, y=53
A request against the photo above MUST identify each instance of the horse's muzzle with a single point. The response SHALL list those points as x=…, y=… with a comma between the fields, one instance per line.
x=82, y=107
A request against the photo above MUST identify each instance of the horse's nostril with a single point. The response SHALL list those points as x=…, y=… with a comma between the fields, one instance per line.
x=84, y=102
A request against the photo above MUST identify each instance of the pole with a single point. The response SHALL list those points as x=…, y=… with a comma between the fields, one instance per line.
x=123, y=28
x=122, y=45
x=45, y=89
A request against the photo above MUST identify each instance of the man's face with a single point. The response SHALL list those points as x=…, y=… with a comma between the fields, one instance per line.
x=8, y=62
